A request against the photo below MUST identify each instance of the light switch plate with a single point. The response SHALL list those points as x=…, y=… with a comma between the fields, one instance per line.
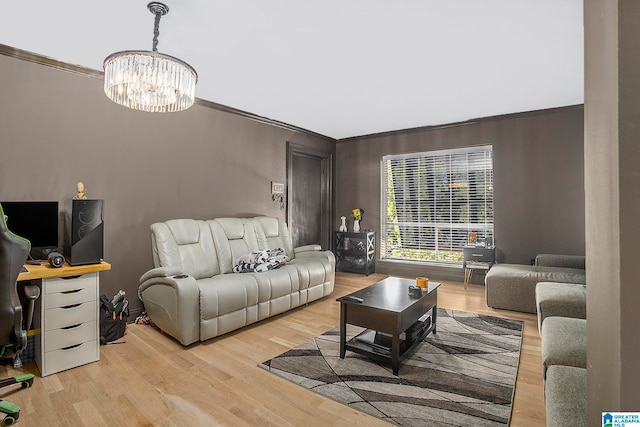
x=277, y=187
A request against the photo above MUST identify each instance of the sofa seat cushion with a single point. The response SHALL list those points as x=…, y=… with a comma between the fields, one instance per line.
x=565, y=393
x=560, y=299
x=512, y=286
x=275, y=283
x=313, y=271
x=226, y=293
x=564, y=342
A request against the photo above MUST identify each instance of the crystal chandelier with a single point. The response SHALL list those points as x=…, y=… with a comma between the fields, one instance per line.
x=150, y=81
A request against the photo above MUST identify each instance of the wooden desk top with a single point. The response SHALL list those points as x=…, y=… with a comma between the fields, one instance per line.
x=44, y=270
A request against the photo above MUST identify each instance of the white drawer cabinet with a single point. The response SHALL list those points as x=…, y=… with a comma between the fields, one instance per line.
x=67, y=317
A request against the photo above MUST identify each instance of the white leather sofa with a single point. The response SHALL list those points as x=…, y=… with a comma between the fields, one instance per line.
x=192, y=293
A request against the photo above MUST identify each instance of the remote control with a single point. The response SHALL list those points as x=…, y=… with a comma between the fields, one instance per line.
x=353, y=298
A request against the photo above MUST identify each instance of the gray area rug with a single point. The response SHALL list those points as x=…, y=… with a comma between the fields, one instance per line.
x=464, y=375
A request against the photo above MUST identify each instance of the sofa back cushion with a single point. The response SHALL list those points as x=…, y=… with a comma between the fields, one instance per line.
x=557, y=260
x=185, y=243
x=233, y=238
x=273, y=233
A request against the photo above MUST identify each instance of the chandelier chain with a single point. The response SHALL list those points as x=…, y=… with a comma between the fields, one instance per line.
x=156, y=30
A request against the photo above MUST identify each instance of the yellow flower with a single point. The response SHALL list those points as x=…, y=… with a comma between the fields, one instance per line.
x=357, y=214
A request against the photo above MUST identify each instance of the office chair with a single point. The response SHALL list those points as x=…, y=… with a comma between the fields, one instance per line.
x=14, y=251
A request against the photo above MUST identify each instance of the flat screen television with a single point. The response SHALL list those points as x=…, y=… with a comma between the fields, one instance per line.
x=36, y=222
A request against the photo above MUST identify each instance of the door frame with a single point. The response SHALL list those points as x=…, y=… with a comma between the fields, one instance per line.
x=326, y=188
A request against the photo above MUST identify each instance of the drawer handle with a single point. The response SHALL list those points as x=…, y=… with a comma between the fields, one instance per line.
x=71, y=306
x=71, y=277
x=71, y=346
x=72, y=326
x=477, y=255
x=71, y=292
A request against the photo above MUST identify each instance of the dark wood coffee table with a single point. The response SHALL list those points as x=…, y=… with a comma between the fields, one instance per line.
x=395, y=322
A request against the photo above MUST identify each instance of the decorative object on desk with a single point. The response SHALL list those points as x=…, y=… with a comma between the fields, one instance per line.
x=80, y=192
x=149, y=80
x=468, y=368
x=473, y=238
x=422, y=282
x=85, y=232
x=343, y=226
x=56, y=259
x=357, y=217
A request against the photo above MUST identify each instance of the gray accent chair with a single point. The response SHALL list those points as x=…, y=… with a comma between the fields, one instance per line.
x=513, y=286
x=192, y=293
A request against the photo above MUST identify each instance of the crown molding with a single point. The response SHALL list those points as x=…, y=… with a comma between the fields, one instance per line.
x=463, y=123
x=89, y=72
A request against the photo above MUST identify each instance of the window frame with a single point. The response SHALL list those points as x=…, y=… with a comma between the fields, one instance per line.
x=457, y=232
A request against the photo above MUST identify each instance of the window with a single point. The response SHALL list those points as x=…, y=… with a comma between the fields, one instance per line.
x=431, y=202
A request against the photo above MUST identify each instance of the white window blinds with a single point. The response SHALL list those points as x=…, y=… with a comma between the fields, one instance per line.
x=431, y=201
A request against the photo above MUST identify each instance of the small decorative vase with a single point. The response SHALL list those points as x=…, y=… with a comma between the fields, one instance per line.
x=356, y=226
x=343, y=226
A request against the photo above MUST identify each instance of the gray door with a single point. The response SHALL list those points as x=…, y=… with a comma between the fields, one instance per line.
x=309, y=196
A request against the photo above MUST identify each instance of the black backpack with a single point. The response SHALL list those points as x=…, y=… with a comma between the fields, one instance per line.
x=113, y=319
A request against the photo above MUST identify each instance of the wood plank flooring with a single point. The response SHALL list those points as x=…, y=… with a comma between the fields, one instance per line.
x=152, y=380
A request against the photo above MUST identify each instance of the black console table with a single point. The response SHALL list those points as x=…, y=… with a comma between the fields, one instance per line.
x=356, y=252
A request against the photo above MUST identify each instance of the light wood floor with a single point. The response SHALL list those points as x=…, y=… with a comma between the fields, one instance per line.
x=152, y=380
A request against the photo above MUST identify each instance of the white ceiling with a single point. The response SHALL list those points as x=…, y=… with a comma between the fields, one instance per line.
x=340, y=68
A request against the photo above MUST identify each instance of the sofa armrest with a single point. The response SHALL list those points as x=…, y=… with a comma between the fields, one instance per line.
x=319, y=253
x=306, y=248
x=555, y=260
x=172, y=302
x=160, y=272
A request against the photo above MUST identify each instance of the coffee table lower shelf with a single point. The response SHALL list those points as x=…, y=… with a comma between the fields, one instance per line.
x=378, y=346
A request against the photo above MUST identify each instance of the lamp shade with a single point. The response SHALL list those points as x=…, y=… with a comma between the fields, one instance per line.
x=149, y=81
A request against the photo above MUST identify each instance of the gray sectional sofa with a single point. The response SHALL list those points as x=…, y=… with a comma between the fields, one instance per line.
x=562, y=313
x=192, y=293
x=513, y=286
x=555, y=289
x=564, y=367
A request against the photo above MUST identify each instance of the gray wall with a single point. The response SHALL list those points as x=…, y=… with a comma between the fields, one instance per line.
x=538, y=180
x=612, y=171
x=57, y=128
